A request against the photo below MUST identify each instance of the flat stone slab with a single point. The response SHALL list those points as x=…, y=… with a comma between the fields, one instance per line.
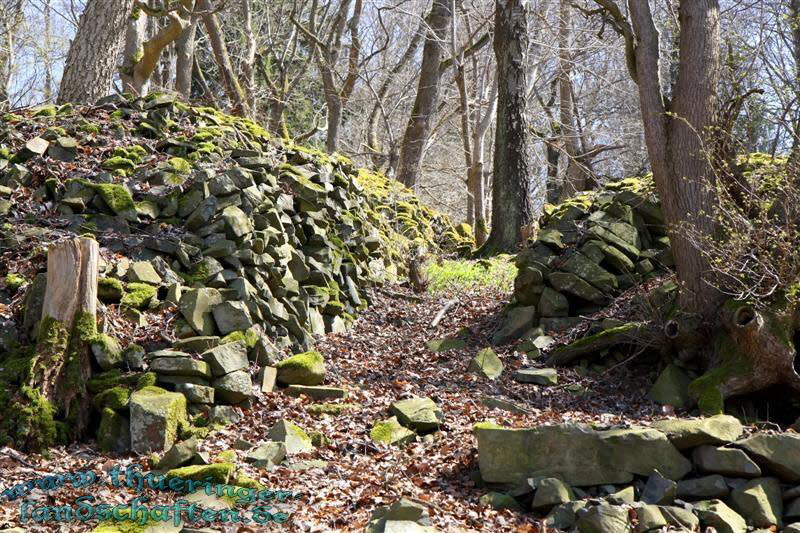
x=537, y=376
x=576, y=454
x=720, y=429
x=317, y=393
x=180, y=366
x=420, y=414
x=731, y=462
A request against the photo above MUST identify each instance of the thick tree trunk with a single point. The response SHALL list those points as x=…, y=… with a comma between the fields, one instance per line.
x=676, y=143
x=511, y=193
x=184, y=60
x=92, y=59
x=69, y=312
x=430, y=77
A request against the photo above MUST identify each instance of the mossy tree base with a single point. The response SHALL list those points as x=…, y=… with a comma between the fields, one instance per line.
x=62, y=364
x=745, y=351
x=752, y=350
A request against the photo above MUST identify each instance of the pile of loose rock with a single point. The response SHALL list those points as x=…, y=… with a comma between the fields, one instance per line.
x=589, y=249
x=676, y=473
x=221, y=249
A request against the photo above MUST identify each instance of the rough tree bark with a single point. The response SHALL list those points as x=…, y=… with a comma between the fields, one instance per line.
x=68, y=324
x=511, y=199
x=430, y=77
x=743, y=349
x=184, y=61
x=92, y=59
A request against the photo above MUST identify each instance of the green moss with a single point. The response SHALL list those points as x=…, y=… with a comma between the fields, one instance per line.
x=227, y=456
x=217, y=472
x=486, y=425
x=179, y=165
x=109, y=290
x=247, y=482
x=151, y=390
x=391, y=432
x=319, y=439
x=113, y=398
x=109, y=428
x=249, y=337
x=120, y=165
x=28, y=421
x=44, y=111
x=707, y=390
x=88, y=127
x=111, y=378
x=138, y=295
x=147, y=379
x=116, y=197
x=14, y=281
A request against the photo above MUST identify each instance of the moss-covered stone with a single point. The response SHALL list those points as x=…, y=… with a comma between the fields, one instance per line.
x=109, y=290
x=217, y=472
x=391, y=432
x=306, y=368
x=113, y=398
x=138, y=295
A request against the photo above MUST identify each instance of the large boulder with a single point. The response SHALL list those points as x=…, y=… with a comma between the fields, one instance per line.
x=720, y=429
x=155, y=418
x=779, y=453
x=759, y=502
x=575, y=453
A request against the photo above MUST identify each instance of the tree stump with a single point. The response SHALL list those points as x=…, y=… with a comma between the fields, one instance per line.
x=63, y=362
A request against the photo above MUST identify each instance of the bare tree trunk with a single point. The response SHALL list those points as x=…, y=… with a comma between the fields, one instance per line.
x=92, y=59
x=422, y=113
x=68, y=324
x=249, y=59
x=574, y=177
x=142, y=58
x=372, y=124
x=184, y=60
x=230, y=81
x=794, y=19
x=511, y=199
x=11, y=14
x=47, y=58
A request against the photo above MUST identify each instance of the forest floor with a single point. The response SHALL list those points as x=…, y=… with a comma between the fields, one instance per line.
x=383, y=359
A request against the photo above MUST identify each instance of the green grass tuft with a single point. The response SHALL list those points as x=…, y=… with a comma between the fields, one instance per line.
x=463, y=274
